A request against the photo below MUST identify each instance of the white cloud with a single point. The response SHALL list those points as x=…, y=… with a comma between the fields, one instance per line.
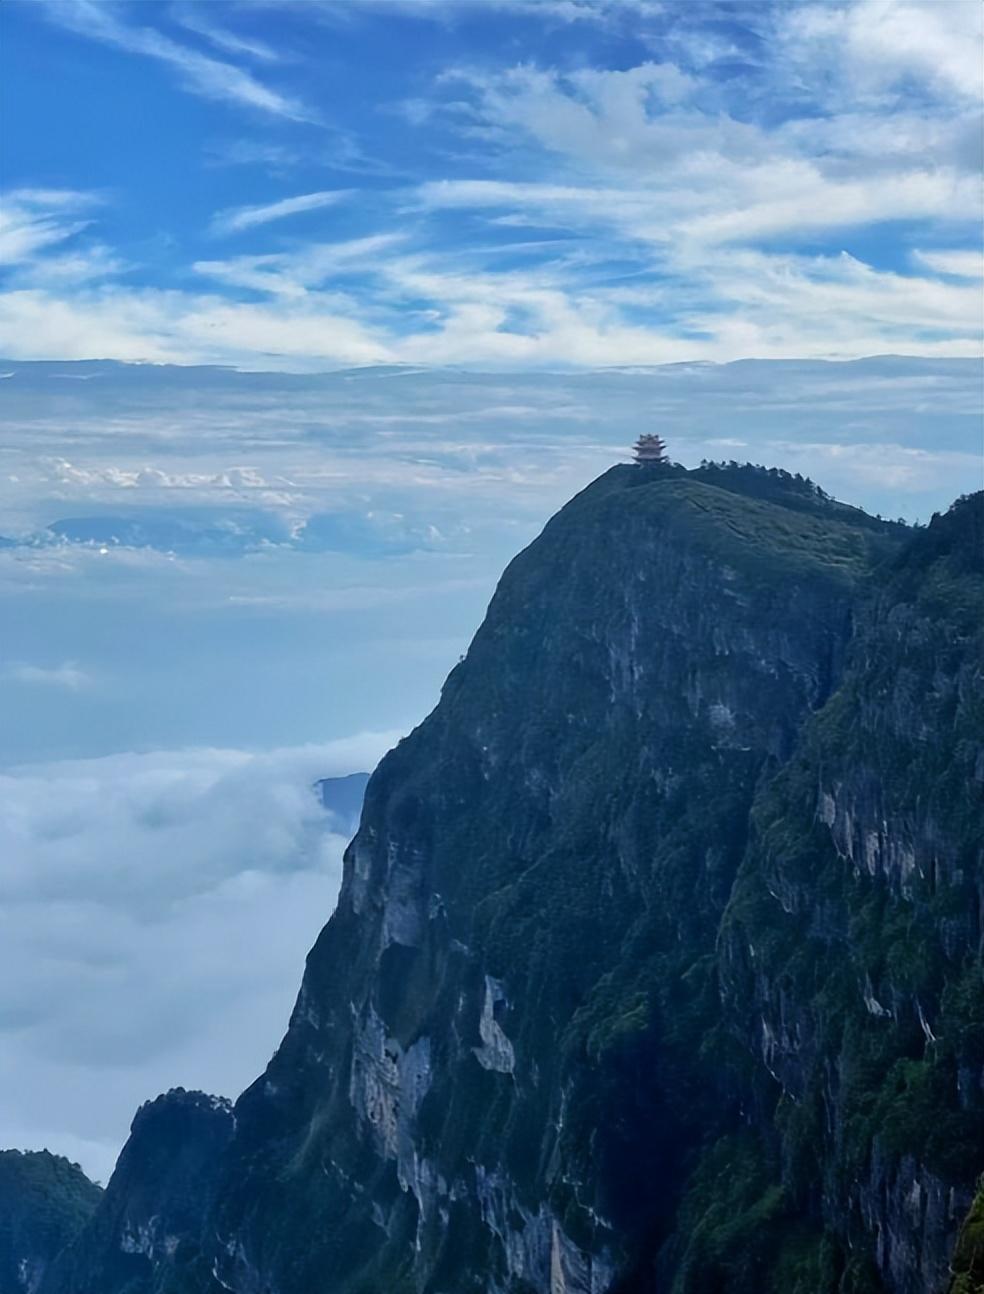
x=959, y=264
x=903, y=469
x=665, y=221
x=695, y=175
x=147, y=476
x=67, y=675
x=190, y=17
x=558, y=11
x=876, y=310
x=69, y=269
x=173, y=327
x=33, y=219
x=156, y=910
x=737, y=305
x=796, y=198
x=236, y=219
x=198, y=73
x=873, y=46
x=293, y=274
x=696, y=302
x=271, y=156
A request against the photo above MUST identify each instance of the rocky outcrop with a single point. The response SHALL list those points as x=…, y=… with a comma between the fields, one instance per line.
x=147, y=1234
x=655, y=963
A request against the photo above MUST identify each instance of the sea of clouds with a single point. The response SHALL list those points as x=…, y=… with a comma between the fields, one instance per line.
x=155, y=911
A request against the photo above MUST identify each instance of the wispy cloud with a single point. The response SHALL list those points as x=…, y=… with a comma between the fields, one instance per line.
x=190, y=16
x=959, y=264
x=591, y=215
x=33, y=219
x=561, y=12
x=269, y=155
x=235, y=219
x=295, y=273
x=673, y=173
x=67, y=675
x=198, y=73
x=418, y=310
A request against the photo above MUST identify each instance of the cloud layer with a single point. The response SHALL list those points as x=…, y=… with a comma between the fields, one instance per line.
x=155, y=911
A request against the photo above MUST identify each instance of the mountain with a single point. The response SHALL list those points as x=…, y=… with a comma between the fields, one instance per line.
x=657, y=960
x=44, y=1203
x=144, y=1238
x=343, y=798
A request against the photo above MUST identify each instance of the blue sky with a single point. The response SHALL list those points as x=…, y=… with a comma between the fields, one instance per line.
x=490, y=182
x=457, y=255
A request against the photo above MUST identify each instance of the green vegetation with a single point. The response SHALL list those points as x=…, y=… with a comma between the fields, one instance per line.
x=44, y=1203
x=968, y=1260
x=743, y=1234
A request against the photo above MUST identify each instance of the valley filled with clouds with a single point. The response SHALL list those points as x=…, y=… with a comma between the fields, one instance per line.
x=155, y=910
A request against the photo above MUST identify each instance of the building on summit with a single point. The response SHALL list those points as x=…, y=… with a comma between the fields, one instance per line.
x=650, y=451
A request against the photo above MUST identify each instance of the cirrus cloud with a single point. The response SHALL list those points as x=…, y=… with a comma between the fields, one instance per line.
x=237, y=219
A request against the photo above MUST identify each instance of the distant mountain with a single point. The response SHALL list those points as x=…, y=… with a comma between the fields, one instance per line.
x=44, y=1203
x=657, y=961
x=343, y=797
x=208, y=534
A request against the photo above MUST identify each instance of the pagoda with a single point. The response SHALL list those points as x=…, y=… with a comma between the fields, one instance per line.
x=649, y=451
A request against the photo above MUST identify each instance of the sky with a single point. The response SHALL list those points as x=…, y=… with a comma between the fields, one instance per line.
x=490, y=182
x=311, y=315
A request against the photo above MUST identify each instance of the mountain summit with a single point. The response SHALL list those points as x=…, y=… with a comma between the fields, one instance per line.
x=656, y=964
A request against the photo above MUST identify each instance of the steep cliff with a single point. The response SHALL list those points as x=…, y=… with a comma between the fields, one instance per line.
x=852, y=945
x=656, y=963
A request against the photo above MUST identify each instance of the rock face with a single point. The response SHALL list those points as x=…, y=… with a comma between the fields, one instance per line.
x=146, y=1234
x=656, y=964
x=44, y=1203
